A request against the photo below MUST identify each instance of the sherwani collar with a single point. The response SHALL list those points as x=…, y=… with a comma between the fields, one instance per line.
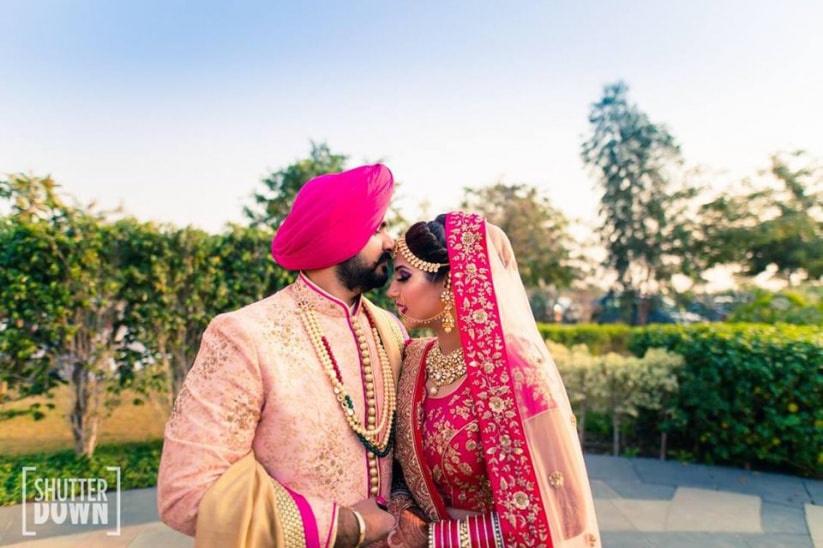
x=325, y=303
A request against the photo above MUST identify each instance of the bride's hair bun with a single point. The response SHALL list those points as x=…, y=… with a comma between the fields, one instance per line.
x=427, y=240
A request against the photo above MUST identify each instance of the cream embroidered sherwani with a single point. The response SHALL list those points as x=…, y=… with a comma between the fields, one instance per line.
x=257, y=385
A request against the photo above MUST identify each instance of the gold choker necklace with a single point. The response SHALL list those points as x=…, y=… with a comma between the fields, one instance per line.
x=443, y=369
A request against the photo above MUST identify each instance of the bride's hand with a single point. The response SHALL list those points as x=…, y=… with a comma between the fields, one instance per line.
x=457, y=513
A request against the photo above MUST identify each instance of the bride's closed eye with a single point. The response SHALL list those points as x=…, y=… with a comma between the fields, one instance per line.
x=401, y=276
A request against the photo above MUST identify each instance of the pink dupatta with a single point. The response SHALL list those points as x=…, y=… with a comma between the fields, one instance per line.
x=535, y=465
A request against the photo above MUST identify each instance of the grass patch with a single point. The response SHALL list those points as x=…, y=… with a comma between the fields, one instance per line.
x=21, y=434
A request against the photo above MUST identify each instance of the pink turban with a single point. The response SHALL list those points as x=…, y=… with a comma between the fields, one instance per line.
x=333, y=217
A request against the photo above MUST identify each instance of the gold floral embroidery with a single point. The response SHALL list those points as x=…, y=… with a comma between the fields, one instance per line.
x=248, y=391
x=242, y=416
x=556, y=479
x=458, y=467
x=407, y=422
x=510, y=465
x=215, y=350
x=520, y=500
x=180, y=404
x=591, y=540
x=469, y=238
x=496, y=404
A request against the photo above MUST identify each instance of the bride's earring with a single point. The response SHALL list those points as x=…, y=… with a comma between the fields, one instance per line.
x=448, y=306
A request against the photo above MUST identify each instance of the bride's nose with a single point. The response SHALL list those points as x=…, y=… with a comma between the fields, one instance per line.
x=393, y=292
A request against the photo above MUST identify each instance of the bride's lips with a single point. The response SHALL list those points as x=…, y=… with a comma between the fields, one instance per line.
x=402, y=309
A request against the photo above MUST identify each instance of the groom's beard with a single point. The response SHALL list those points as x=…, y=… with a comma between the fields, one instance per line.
x=357, y=275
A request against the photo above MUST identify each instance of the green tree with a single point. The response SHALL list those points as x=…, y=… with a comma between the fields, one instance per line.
x=537, y=230
x=248, y=272
x=643, y=205
x=780, y=224
x=174, y=287
x=272, y=204
x=177, y=280
x=60, y=311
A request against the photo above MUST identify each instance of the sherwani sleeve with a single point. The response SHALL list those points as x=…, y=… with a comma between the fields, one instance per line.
x=212, y=427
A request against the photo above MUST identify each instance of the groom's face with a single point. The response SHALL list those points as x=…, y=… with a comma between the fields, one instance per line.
x=369, y=269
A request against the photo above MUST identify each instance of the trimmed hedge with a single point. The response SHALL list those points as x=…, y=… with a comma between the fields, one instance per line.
x=138, y=467
x=749, y=394
x=600, y=339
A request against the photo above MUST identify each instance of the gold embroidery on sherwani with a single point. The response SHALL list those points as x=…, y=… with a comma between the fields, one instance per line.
x=293, y=530
x=258, y=386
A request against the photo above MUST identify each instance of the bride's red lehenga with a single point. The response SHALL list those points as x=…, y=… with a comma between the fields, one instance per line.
x=503, y=443
x=453, y=450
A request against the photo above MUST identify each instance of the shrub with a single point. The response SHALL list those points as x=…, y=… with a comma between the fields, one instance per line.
x=138, y=464
x=749, y=393
x=600, y=339
x=616, y=385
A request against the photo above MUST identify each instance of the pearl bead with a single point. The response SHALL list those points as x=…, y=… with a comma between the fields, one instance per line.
x=370, y=433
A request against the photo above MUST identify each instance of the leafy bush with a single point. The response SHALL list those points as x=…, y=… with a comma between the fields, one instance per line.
x=618, y=386
x=600, y=339
x=749, y=393
x=138, y=464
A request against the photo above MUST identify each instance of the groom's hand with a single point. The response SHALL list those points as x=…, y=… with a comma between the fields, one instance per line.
x=378, y=524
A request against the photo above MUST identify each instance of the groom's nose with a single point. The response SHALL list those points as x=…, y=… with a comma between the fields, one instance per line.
x=388, y=241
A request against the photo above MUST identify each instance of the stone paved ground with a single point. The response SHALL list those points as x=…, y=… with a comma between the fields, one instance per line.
x=640, y=503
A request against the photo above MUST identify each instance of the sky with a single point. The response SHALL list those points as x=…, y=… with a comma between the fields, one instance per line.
x=176, y=110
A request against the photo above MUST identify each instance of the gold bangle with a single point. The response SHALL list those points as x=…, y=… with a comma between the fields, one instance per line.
x=361, y=527
x=463, y=534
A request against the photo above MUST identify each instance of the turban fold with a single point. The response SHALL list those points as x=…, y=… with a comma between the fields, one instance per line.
x=333, y=217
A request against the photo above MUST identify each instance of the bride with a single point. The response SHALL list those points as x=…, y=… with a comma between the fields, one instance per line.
x=485, y=436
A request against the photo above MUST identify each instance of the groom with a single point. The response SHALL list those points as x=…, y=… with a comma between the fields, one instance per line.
x=282, y=432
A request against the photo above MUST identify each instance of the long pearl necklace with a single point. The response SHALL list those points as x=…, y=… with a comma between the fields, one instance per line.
x=369, y=435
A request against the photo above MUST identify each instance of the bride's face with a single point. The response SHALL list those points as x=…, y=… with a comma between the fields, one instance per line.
x=415, y=296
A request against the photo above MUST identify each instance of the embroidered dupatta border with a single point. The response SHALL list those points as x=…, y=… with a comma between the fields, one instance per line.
x=516, y=492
